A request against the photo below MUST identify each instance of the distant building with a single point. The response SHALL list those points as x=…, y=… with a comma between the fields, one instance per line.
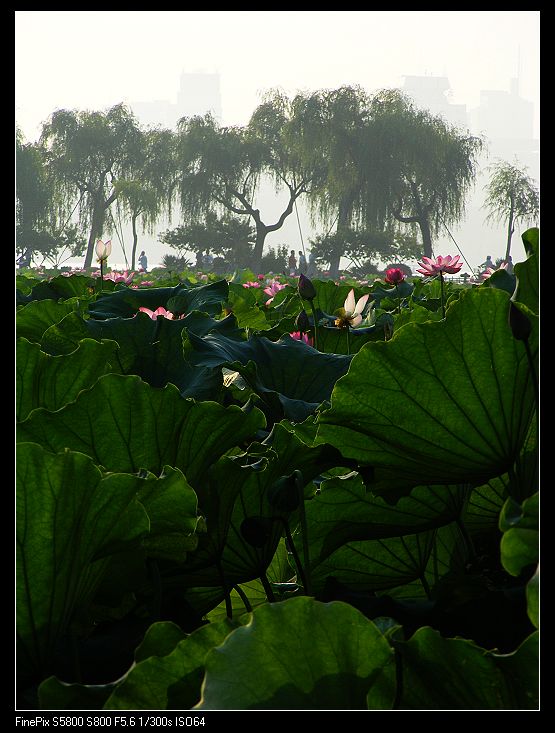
x=198, y=94
x=507, y=121
x=432, y=93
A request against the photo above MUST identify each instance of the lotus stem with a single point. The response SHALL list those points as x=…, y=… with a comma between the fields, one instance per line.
x=244, y=598
x=315, y=326
x=228, y=606
x=296, y=558
x=101, y=274
x=442, y=295
x=267, y=588
x=398, y=299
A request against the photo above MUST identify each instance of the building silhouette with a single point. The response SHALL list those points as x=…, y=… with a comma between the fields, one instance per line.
x=433, y=93
x=198, y=94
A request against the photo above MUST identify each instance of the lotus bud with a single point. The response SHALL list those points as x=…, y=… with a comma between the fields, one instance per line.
x=306, y=288
x=285, y=494
x=302, y=322
x=103, y=249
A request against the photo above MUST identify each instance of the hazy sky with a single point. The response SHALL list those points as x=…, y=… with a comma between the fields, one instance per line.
x=95, y=59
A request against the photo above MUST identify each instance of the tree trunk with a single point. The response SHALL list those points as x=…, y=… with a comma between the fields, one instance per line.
x=135, y=240
x=510, y=230
x=424, y=225
x=343, y=222
x=96, y=231
x=261, y=232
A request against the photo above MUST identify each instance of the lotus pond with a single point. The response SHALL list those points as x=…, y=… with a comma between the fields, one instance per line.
x=213, y=514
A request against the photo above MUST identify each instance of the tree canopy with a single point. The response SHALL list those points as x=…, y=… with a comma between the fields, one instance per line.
x=86, y=153
x=512, y=196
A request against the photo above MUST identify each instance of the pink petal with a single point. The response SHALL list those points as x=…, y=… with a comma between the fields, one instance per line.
x=361, y=303
x=356, y=320
x=350, y=302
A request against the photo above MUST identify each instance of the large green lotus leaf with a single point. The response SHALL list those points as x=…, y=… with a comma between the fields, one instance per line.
x=160, y=639
x=332, y=340
x=125, y=425
x=63, y=336
x=61, y=287
x=151, y=349
x=234, y=492
x=531, y=241
x=126, y=302
x=56, y=695
x=416, y=314
x=301, y=655
x=246, y=305
x=456, y=674
x=344, y=512
x=173, y=681
x=171, y=505
x=527, y=274
x=448, y=558
x=68, y=516
x=25, y=284
x=485, y=502
x=520, y=541
x=53, y=381
x=33, y=319
x=279, y=571
x=291, y=377
x=372, y=565
x=533, y=598
x=440, y=403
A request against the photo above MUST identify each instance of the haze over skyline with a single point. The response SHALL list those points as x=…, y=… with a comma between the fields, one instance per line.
x=95, y=59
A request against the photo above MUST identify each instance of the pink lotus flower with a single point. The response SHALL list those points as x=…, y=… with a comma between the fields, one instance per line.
x=488, y=272
x=350, y=315
x=120, y=277
x=161, y=311
x=251, y=284
x=394, y=276
x=273, y=289
x=260, y=277
x=298, y=336
x=448, y=264
x=103, y=250
x=147, y=282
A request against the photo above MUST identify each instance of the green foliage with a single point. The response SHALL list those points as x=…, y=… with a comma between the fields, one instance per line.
x=213, y=515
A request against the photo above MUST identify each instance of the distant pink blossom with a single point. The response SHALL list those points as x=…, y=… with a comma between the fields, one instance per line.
x=273, y=289
x=448, y=264
x=147, y=282
x=260, y=277
x=120, y=277
x=298, y=336
x=161, y=311
x=394, y=275
x=488, y=272
x=251, y=284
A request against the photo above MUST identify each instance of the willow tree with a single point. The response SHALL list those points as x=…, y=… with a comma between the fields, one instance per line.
x=221, y=167
x=512, y=196
x=329, y=127
x=148, y=194
x=86, y=153
x=418, y=169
